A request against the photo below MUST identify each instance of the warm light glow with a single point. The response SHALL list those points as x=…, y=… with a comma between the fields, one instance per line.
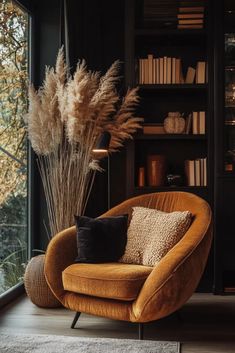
x=97, y=150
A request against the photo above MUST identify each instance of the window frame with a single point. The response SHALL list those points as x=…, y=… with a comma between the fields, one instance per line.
x=17, y=290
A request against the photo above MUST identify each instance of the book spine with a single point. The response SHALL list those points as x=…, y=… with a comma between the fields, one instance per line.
x=173, y=71
x=164, y=69
x=197, y=172
x=168, y=73
x=205, y=172
x=202, y=122
x=191, y=181
x=201, y=72
x=150, y=68
x=161, y=69
x=177, y=70
x=195, y=123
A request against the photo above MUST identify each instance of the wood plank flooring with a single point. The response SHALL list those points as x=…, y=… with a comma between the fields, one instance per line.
x=207, y=324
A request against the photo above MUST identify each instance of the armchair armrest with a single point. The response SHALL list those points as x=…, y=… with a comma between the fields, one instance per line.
x=61, y=252
x=175, y=277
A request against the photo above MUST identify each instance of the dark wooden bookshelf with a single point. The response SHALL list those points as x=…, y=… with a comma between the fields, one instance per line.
x=191, y=46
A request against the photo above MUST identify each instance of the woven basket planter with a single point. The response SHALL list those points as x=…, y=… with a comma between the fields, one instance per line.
x=36, y=286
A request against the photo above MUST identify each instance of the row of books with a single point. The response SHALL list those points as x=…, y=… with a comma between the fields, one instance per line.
x=198, y=122
x=195, y=123
x=191, y=17
x=168, y=70
x=196, y=172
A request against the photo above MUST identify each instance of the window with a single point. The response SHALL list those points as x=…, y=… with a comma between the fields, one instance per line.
x=14, y=47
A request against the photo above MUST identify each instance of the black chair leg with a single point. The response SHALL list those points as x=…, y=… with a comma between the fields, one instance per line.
x=76, y=317
x=141, y=331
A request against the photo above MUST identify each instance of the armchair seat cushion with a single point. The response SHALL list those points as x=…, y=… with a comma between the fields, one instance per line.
x=107, y=280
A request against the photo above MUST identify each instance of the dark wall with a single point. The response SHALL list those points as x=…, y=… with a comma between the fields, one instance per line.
x=96, y=33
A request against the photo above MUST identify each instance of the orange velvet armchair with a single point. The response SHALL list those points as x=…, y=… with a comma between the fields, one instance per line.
x=128, y=292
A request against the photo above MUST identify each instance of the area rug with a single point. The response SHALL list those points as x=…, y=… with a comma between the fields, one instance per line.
x=66, y=344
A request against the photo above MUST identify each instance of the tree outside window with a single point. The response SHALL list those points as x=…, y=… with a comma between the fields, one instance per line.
x=13, y=147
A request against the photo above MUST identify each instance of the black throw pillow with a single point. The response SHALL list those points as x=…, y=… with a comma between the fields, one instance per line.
x=101, y=239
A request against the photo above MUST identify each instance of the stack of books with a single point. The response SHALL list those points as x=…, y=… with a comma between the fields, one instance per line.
x=160, y=14
x=191, y=17
x=173, y=14
x=196, y=172
x=168, y=70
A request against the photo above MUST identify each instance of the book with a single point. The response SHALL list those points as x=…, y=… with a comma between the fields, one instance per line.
x=150, y=68
x=202, y=122
x=190, y=15
x=201, y=72
x=177, y=70
x=190, y=172
x=193, y=9
x=157, y=63
x=161, y=66
x=168, y=71
x=164, y=69
x=141, y=72
x=189, y=26
x=188, y=124
x=154, y=81
x=204, y=171
x=195, y=123
x=173, y=71
x=191, y=22
x=153, y=129
x=201, y=160
x=145, y=66
x=190, y=76
x=197, y=172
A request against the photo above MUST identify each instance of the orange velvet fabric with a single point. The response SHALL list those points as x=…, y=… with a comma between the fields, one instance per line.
x=171, y=282
x=106, y=280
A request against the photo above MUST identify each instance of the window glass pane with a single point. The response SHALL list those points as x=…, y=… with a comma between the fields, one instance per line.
x=13, y=146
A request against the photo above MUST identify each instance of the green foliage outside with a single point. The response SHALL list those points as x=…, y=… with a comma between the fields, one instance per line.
x=13, y=147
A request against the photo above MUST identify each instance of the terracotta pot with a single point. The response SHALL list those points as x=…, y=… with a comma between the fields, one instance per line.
x=36, y=285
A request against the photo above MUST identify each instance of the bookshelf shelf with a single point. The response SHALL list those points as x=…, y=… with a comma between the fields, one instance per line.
x=170, y=137
x=168, y=188
x=191, y=87
x=142, y=32
x=200, y=190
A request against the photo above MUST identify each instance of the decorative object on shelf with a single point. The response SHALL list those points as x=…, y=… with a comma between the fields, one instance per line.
x=156, y=165
x=36, y=285
x=66, y=118
x=141, y=177
x=174, y=180
x=174, y=123
x=229, y=161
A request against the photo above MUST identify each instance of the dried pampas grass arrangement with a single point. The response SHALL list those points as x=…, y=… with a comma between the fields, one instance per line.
x=65, y=119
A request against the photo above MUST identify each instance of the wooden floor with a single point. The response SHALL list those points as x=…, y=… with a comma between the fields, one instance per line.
x=207, y=324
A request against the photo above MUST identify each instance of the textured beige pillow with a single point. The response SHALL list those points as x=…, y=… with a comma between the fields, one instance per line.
x=152, y=233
